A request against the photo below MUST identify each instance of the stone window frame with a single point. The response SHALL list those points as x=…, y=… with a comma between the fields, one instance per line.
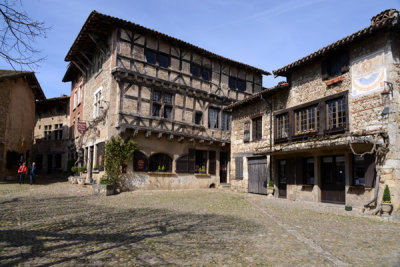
x=98, y=97
x=58, y=131
x=47, y=132
x=323, y=125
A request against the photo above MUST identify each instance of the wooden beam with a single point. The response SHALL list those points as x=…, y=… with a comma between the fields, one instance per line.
x=180, y=139
x=211, y=142
x=223, y=144
x=136, y=131
x=148, y=133
x=77, y=65
x=170, y=137
x=86, y=57
x=97, y=44
x=201, y=141
x=159, y=135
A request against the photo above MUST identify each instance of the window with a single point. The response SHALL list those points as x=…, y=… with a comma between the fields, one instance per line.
x=97, y=103
x=162, y=104
x=246, y=127
x=213, y=118
x=58, y=131
x=308, y=177
x=306, y=120
x=257, y=128
x=80, y=94
x=335, y=65
x=140, y=161
x=98, y=61
x=160, y=162
x=202, y=72
x=226, y=121
x=75, y=98
x=157, y=58
x=237, y=84
x=364, y=170
x=200, y=161
x=282, y=126
x=47, y=132
x=336, y=111
x=238, y=168
x=198, y=118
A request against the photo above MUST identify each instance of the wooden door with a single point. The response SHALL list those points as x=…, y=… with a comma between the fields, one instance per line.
x=223, y=166
x=257, y=168
x=333, y=179
x=282, y=177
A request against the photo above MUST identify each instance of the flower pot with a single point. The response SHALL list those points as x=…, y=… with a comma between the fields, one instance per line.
x=270, y=191
x=386, y=208
x=74, y=180
x=81, y=181
x=103, y=189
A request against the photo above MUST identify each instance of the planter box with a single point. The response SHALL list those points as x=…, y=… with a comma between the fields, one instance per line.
x=386, y=208
x=103, y=189
x=81, y=181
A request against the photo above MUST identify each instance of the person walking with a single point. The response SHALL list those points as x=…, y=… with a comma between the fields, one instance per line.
x=32, y=173
x=22, y=171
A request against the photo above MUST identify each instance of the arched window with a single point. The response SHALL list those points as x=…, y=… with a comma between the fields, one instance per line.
x=140, y=161
x=160, y=162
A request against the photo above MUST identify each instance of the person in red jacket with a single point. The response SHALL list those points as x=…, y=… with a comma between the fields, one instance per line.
x=22, y=171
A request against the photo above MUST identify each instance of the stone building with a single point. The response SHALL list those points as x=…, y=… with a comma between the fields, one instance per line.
x=331, y=133
x=51, y=135
x=166, y=92
x=18, y=92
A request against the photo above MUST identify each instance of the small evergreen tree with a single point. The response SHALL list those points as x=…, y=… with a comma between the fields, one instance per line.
x=117, y=152
x=386, y=195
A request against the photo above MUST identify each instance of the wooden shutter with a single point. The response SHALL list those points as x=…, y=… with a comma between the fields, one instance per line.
x=140, y=161
x=344, y=62
x=239, y=168
x=324, y=70
x=299, y=171
x=370, y=173
x=246, y=131
x=212, y=168
x=191, y=160
x=182, y=164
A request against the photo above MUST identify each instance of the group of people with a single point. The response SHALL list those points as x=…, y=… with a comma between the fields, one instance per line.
x=23, y=170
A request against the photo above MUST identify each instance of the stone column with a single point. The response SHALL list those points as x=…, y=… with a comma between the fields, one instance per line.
x=85, y=156
x=94, y=155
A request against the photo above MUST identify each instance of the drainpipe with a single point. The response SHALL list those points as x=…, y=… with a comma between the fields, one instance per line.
x=270, y=131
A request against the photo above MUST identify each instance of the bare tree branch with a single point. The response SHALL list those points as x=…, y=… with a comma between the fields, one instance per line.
x=18, y=33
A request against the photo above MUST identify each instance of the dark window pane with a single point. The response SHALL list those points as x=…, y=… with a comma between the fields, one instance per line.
x=157, y=96
x=241, y=85
x=160, y=162
x=213, y=118
x=205, y=74
x=156, y=110
x=168, y=112
x=150, y=57
x=198, y=117
x=167, y=98
x=226, y=121
x=201, y=161
x=232, y=83
x=195, y=70
x=163, y=60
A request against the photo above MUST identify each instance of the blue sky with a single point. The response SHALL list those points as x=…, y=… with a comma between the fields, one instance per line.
x=266, y=34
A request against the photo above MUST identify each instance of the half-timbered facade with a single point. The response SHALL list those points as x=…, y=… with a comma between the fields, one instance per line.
x=167, y=93
x=331, y=133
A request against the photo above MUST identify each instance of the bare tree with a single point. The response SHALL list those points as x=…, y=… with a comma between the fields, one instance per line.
x=18, y=33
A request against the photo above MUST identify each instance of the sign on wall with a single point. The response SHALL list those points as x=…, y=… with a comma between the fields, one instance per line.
x=368, y=74
x=81, y=127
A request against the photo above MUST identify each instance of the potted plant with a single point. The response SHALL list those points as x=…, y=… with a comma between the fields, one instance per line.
x=270, y=188
x=386, y=204
x=202, y=170
x=105, y=187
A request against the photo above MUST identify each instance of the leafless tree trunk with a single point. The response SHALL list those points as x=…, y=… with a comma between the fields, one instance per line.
x=18, y=33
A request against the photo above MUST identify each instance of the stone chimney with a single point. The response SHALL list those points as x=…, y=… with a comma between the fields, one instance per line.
x=384, y=15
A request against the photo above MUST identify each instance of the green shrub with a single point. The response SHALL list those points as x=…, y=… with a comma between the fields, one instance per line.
x=271, y=183
x=74, y=169
x=82, y=169
x=104, y=181
x=386, y=195
x=117, y=152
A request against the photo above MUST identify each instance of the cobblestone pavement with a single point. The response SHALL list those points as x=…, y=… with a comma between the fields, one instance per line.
x=61, y=224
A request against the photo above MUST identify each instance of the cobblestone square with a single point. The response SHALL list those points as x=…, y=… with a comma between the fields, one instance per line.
x=61, y=224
